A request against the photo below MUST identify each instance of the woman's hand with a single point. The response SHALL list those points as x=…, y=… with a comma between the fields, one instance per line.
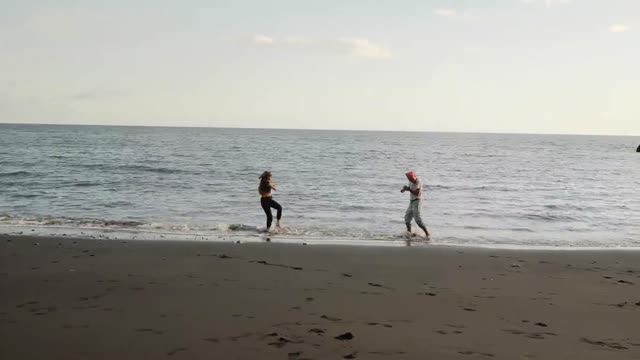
x=273, y=187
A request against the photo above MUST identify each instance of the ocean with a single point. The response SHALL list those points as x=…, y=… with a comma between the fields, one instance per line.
x=493, y=190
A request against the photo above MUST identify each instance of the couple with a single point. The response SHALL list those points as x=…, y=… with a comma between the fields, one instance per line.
x=413, y=212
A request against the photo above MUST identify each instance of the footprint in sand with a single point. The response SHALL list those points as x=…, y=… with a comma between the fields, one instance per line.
x=174, y=351
x=387, y=352
x=370, y=293
x=344, y=337
x=154, y=331
x=469, y=352
x=456, y=326
x=376, y=324
x=43, y=310
x=294, y=355
x=281, y=342
x=625, y=282
x=335, y=319
x=606, y=344
x=531, y=335
x=27, y=303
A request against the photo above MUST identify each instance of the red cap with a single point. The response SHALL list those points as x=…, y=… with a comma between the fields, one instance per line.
x=410, y=174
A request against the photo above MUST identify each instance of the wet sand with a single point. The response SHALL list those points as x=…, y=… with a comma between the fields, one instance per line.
x=89, y=299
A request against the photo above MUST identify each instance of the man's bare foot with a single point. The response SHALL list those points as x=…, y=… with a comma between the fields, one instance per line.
x=427, y=237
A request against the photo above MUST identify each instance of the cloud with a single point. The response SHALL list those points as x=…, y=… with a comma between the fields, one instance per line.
x=364, y=48
x=547, y=3
x=262, y=39
x=454, y=13
x=619, y=28
x=355, y=46
x=448, y=12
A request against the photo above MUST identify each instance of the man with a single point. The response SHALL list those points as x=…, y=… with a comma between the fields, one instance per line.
x=415, y=202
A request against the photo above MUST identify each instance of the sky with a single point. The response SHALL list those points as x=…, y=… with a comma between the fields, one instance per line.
x=513, y=66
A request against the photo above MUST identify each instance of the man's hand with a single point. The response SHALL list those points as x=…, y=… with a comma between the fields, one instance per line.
x=404, y=188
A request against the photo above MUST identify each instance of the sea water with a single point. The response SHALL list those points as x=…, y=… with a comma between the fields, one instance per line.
x=335, y=186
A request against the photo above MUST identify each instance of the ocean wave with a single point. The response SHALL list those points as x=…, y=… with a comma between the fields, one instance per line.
x=116, y=204
x=85, y=184
x=234, y=227
x=24, y=196
x=145, y=168
x=16, y=173
x=121, y=223
x=548, y=217
x=468, y=188
x=133, y=230
x=8, y=219
x=520, y=216
x=47, y=222
x=135, y=168
x=516, y=229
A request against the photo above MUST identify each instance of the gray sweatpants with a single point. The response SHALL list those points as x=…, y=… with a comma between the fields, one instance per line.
x=413, y=212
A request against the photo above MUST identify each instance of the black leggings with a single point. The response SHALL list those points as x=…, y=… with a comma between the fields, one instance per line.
x=268, y=203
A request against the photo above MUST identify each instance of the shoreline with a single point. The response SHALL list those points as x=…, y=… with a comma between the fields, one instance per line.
x=69, y=298
x=250, y=237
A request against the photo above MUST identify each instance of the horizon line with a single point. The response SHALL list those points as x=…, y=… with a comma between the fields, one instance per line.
x=321, y=129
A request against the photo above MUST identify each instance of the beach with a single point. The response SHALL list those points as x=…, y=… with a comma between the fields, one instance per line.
x=68, y=298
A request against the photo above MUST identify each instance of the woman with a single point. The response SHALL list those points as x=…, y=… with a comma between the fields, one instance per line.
x=267, y=201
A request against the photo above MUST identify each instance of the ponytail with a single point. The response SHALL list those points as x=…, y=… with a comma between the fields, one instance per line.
x=265, y=175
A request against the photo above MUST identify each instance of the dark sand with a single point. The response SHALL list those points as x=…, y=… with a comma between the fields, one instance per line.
x=89, y=299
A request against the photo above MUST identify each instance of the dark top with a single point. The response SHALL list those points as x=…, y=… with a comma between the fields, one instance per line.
x=265, y=187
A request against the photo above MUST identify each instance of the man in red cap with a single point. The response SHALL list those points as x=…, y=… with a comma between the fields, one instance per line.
x=415, y=203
